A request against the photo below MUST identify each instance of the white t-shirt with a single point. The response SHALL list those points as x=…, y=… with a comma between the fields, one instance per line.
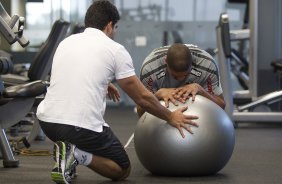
x=83, y=66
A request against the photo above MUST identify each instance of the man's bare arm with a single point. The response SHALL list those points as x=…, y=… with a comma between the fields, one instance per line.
x=144, y=98
x=183, y=93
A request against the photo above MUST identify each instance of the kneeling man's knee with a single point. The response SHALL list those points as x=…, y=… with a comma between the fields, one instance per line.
x=123, y=174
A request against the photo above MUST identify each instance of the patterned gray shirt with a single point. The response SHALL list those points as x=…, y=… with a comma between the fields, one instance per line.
x=204, y=71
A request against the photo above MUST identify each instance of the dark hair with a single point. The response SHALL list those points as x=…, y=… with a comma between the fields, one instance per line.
x=100, y=13
x=179, y=57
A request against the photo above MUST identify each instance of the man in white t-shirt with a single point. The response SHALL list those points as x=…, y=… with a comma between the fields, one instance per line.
x=72, y=112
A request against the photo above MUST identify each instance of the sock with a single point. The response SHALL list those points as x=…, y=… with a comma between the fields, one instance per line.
x=83, y=157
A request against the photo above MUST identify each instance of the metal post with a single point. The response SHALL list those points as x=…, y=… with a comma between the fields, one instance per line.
x=7, y=154
x=253, y=65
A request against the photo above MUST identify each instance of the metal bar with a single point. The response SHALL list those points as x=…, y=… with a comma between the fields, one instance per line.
x=257, y=117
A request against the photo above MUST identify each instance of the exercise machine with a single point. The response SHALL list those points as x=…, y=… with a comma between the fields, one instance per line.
x=17, y=100
x=257, y=110
x=40, y=68
x=12, y=31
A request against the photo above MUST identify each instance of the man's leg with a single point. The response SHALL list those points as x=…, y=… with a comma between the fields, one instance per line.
x=109, y=158
x=107, y=155
x=108, y=168
x=65, y=161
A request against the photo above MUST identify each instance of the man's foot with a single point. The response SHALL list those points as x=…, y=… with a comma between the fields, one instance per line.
x=65, y=162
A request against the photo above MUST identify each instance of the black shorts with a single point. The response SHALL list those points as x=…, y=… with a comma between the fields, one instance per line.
x=104, y=144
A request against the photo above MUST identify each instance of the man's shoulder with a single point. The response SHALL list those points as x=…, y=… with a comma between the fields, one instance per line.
x=201, y=57
x=153, y=67
x=116, y=48
x=114, y=44
x=155, y=58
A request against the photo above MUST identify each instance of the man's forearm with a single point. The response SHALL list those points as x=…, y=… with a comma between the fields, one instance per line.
x=143, y=97
x=216, y=99
x=151, y=104
x=140, y=110
x=159, y=95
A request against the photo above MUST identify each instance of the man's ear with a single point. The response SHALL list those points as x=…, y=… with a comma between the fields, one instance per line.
x=108, y=26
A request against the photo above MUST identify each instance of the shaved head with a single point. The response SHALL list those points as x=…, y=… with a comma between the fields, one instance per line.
x=179, y=58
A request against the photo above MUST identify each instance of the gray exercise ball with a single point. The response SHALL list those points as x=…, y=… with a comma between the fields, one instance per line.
x=162, y=150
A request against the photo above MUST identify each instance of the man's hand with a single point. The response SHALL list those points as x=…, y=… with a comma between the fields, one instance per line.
x=113, y=93
x=180, y=120
x=167, y=95
x=184, y=93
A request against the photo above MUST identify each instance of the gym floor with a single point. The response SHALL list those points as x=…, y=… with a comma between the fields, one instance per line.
x=257, y=158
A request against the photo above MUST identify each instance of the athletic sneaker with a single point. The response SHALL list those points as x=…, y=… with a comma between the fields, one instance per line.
x=65, y=163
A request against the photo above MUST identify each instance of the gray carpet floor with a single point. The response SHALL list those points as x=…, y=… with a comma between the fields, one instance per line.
x=257, y=158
